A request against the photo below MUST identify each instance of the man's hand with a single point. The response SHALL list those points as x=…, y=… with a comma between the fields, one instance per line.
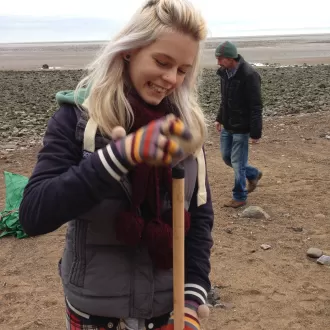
x=255, y=141
x=218, y=126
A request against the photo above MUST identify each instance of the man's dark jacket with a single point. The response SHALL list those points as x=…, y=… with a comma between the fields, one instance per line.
x=241, y=104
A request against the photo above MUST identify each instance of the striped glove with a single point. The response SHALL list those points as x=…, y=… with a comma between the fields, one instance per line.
x=155, y=143
x=193, y=313
x=190, y=323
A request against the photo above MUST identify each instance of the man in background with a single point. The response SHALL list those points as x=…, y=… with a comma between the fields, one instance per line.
x=239, y=118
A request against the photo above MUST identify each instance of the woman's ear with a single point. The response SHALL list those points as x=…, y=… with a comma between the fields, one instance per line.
x=127, y=57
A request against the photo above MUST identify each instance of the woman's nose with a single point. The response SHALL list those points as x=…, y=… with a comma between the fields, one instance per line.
x=171, y=76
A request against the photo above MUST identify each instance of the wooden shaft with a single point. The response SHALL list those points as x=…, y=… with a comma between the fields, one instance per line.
x=178, y=251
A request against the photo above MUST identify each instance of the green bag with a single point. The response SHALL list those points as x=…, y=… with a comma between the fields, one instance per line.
x=9, y=217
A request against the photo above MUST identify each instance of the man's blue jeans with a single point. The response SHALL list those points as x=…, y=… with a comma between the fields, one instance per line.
x=235, y=151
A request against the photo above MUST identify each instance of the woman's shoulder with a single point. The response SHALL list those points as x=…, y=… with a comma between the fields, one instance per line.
x=63, y=123
x=67, y=113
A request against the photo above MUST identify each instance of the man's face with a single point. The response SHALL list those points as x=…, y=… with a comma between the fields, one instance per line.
x=224, y=62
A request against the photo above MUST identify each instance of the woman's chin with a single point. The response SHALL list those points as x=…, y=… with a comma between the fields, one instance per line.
x=152, y=97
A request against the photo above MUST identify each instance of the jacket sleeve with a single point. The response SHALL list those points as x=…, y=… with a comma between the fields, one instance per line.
x=254, y=100
x=219, y=114
x=63, y=185
x=198, y=246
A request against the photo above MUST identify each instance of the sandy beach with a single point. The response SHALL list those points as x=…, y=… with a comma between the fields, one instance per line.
x=275, y=289
x=311, y=49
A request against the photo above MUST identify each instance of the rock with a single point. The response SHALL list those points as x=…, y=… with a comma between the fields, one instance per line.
x=314, y=252
x=255, y=212
x=18, y=107
x=213, y=297
x=8, y=146
x=324, y=260
x=228, y=230
x=320, y=216
x=265, y=246
x=224, y=305
x=296, y=229
x=45, y=66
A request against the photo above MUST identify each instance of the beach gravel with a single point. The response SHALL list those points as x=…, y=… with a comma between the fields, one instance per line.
x=28, y=97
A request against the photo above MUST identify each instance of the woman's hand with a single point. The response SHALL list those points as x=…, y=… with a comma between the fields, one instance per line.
x=154, y=143
x=191, y=317
x=191, y=321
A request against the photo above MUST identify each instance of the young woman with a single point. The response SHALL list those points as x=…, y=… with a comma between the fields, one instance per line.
x=105, y=170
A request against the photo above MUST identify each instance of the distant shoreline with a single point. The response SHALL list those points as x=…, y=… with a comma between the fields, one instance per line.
x=211, y=39
x=294, y=49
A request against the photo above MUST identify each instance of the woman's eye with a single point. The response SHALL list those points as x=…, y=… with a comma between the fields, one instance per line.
x=160, y=63
x=182, y=71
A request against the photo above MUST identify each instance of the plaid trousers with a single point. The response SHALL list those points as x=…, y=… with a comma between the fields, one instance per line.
x=76, y=320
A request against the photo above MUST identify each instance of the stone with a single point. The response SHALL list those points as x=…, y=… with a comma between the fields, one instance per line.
x=314, y=252
x=213, y=297
x=254, y=212
x=9, y=146
x=265, y=246
x=224, y=305
x=324, y=260
x=297, y=229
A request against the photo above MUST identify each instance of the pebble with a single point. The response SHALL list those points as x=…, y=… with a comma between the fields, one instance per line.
x=297, y=229
x=265, y=246
x=213, y=297
x=8, y=146
x=255, y=212
x=314, y=252
x=228, y=230
x=320, y=216
x=224, y=305
x=324, y=260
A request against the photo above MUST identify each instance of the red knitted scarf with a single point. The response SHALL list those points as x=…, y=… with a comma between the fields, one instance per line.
x=145, y=222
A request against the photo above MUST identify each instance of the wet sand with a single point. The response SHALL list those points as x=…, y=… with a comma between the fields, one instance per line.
x=285, y=50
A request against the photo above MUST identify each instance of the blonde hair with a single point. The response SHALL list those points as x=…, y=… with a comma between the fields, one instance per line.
x=106, y=102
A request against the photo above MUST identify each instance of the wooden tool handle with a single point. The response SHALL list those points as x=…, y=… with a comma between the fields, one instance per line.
x=178, y=245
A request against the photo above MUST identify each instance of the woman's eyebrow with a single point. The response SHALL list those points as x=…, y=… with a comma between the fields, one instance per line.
x=172, y=59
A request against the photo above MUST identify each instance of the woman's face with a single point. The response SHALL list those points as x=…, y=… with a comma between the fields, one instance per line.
x=158, y=69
